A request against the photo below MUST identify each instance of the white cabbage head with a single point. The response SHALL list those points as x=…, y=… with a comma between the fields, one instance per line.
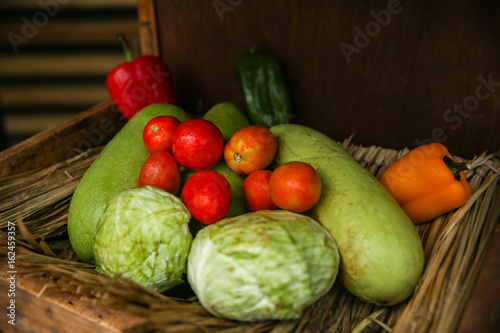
x=263, y=265
x=143, y=235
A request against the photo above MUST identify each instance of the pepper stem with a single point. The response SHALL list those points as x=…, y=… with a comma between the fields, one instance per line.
x=126, y=46
x=455, y=167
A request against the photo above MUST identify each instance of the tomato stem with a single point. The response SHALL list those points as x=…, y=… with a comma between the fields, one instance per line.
x=237, y=157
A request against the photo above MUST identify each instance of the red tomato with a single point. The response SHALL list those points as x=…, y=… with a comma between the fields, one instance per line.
x=198, y=144
x=256, y=191
x=251, y=148
x=295, y=186
x=161, y=170
x=207, y=195
x=159, y=132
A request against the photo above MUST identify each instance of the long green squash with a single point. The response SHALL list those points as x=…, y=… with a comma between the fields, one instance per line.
x=116, y=169
x=381, y=253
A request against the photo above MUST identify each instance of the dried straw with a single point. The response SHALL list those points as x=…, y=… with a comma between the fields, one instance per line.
x=41, y=197
x=454, y=245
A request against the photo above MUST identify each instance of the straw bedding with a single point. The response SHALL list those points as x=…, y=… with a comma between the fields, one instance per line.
x=454, y=245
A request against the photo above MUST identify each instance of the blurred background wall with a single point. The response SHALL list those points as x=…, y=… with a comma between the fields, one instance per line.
x=54, y=56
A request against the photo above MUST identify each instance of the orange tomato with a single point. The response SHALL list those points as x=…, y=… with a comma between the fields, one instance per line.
x=249, y=149
x=295, y=186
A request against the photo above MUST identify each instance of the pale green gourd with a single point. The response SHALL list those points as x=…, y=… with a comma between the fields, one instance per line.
x=228, y=117
x=381, y=253
x=116, y=169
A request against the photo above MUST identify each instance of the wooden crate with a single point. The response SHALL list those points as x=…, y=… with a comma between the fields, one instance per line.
x=392, y=93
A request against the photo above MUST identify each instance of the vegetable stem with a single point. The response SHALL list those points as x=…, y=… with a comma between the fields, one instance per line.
x=455, y=167
x=126, y=46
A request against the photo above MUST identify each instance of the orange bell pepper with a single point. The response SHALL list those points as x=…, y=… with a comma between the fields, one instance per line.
x=427, y=182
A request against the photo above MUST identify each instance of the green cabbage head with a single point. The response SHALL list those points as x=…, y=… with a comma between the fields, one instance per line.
x=143, y=235
x=262, y=265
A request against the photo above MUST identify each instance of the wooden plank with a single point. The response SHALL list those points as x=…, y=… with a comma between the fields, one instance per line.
x=97, y=31
x=59, y=65
x=483, y=311
x=32, y=123
x=56, y=311
x=73, y=4
x=53, y=95
x=91, y=128
x=395, y=90
x=148, y=28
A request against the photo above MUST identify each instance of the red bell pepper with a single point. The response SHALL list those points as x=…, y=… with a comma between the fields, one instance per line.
x=139, y=82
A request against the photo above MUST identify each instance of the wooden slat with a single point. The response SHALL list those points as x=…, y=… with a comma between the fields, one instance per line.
x=148, y=28
x=73, y=4
x=55, y=64
x=70, y=33
x=63, y=95
x=28, y=124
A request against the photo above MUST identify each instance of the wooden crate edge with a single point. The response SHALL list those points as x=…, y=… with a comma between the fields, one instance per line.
x=83, y=131
x=148, y=30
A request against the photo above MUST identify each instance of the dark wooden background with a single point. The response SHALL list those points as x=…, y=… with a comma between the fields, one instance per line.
x=394, y=92
x=54, y=64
